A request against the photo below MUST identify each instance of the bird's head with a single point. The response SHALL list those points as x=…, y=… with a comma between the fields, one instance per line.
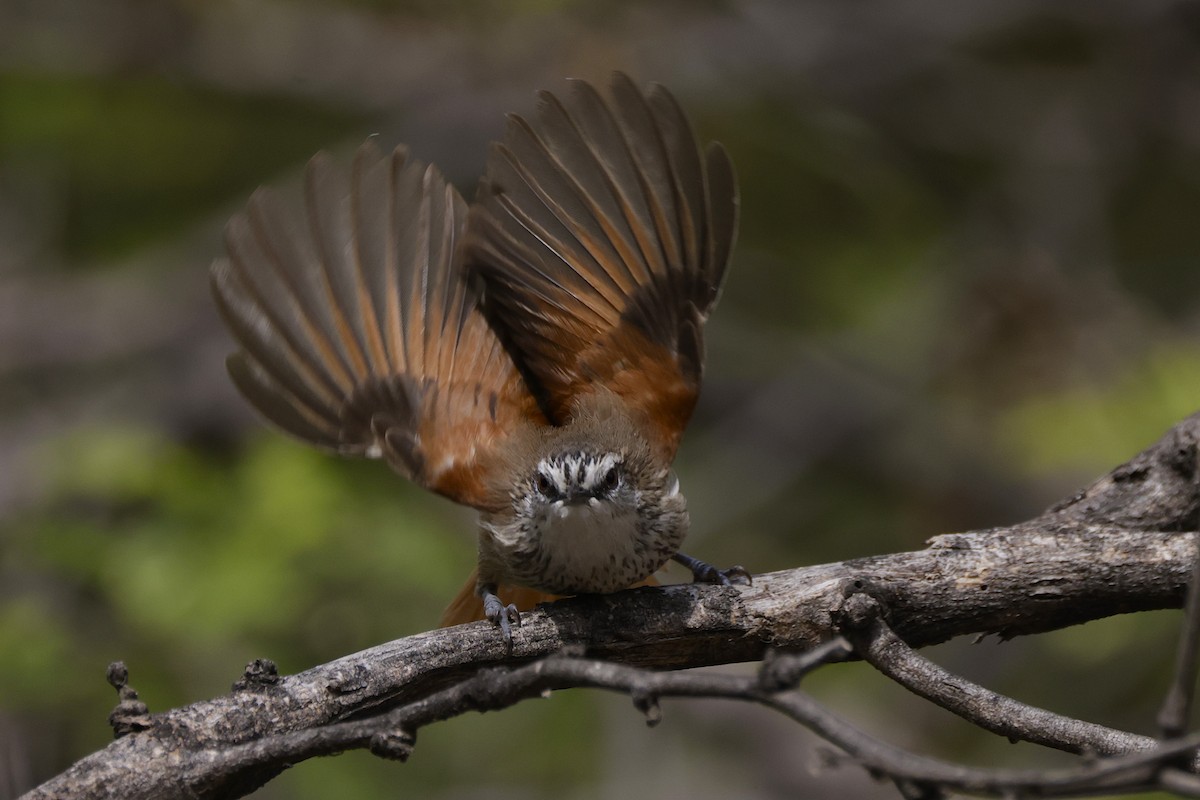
x=580, y=477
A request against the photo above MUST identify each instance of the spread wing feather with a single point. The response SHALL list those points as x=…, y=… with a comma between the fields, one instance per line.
x=601, y=236
x=357, y=330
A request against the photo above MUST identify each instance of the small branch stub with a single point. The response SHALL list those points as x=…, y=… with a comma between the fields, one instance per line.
x=647, y=703
x=131, y=714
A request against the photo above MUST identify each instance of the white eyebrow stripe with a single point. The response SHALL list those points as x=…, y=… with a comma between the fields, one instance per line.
x=585, y=471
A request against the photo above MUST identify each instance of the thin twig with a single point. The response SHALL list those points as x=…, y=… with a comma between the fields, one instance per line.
x=393, y=733
x=883, y=649
x=1177, y=705
x=499, y=688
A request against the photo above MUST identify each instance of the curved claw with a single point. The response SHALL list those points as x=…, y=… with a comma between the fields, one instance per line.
x=502, y=616
x=735, y=574
x=703, y=572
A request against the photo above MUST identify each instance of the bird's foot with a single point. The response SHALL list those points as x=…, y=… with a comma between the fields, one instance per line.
x=703, y=572
x=502, y=616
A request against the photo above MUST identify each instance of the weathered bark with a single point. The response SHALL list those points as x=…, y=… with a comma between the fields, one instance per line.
x=1116, y=547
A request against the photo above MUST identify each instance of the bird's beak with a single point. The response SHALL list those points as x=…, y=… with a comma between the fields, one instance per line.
x=579, y=497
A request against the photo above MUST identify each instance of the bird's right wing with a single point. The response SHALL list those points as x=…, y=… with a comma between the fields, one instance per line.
x=602, y=234
x=358, y=333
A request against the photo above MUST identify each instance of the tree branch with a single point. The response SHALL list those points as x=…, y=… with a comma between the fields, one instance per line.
x=1112, y=548
x=883, y=649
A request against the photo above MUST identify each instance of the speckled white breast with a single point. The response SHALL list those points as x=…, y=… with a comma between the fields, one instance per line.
x=593, y=549
x=583, y=548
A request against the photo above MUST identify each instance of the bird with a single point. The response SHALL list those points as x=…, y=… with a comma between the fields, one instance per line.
x=535, y=354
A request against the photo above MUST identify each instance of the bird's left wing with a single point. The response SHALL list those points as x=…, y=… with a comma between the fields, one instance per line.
x=358, y=333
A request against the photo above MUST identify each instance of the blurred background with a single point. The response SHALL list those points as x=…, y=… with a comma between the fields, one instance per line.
x=966, y=284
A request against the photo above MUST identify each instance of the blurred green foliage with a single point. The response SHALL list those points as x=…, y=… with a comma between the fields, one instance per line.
x=869, y=217
x=1092, y=427
x=1154, y=228
x=242, y=546
x=115, y=144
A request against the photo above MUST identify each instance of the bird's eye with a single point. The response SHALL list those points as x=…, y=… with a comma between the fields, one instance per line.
x=610, y=480
x=543, y=484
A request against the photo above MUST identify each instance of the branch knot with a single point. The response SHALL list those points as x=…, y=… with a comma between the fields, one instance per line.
x=860, y=607
x=394, y=745
x=646, y=702
x=261, y=673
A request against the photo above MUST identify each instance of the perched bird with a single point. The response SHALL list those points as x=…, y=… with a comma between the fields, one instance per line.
x=536, y=356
